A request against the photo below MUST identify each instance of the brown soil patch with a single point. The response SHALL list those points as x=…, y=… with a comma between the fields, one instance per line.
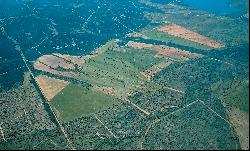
x=174, y=53
x=55, y=62
x=155, y=69
x=182, y=32
x=50, y=86
x=51, y=63
x=46, y=68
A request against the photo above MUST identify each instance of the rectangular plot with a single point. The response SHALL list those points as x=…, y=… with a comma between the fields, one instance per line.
x=74, y=102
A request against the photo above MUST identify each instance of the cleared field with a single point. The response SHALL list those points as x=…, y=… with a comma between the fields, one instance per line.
x=150, y=73
x=74, y=102
x=75, y=60
x=50, y=86
x=170, y=52
x=162, y=36
x=110, y=66
x=55, y=62
x=182, y=32
x=115, y=72
x=47, y=68
x=119, y=69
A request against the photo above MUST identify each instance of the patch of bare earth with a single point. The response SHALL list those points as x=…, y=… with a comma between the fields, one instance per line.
x=55, y=62
x=75, y=60
x=155, y=69
x=240, y=122
x=170, y=52
x=184, y=33
x=51, y=64
x=50, y=86
x=46, y=68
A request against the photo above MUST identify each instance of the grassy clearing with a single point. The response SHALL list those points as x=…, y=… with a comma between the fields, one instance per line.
x=74, y=102
x=119, y=69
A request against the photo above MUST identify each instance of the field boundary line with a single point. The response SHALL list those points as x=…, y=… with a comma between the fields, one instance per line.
x=214, y=112
x=134, y=105
x=147, y=130
x=105, y=127
x=169, y=88
x=158, y=120
x=18, y=49
x=46, y=101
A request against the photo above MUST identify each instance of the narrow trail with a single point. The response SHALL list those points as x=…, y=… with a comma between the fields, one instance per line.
x=137, y=107
x=105, y=127
x=146, y=132
x=2, y=133
x=214, y=112
x=172, y=89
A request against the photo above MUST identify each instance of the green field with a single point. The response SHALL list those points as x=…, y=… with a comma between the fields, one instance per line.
x=74, y=102
x=119, y=68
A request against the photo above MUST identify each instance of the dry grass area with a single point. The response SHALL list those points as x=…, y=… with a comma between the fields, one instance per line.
x=64, y=61
x=50, y=63
x=155, y=69
x=182, y=32
x=240, y=122
x=77, y=60
x=136, y=34
x=170, y=52
x=55, y=62
x=46, y=68
x=110, y=91
x=50, y=86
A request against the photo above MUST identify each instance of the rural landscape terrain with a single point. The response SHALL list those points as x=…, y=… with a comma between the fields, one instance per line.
x=137, y=74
